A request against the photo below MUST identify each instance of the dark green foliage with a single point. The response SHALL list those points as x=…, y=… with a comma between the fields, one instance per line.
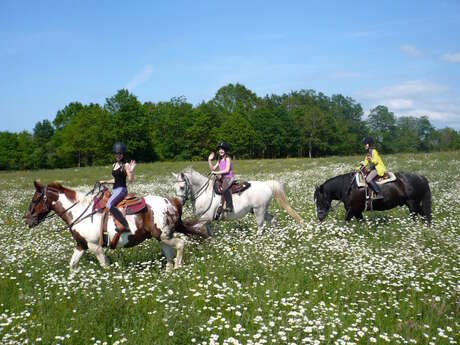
x=299, y=124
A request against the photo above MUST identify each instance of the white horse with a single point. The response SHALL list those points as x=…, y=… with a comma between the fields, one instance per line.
x=205, y=202
x=160, y=220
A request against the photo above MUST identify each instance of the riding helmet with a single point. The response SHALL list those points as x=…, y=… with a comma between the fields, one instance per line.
x=223, y=145
x=368, y=140
x=119, y=147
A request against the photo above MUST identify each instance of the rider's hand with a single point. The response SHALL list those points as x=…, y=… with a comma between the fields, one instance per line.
x=132, y=165
x=211, y=156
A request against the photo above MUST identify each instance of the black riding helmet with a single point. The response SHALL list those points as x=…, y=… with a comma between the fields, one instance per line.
x=368, y=140
x=119, y=147
x=223, y=145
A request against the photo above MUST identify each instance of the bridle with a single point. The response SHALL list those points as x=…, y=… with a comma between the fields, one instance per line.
x=331, y=206
x=43, y=195
x=194, y=196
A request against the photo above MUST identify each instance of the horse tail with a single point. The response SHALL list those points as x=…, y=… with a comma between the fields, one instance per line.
x=282, y=200
x=189, y=226
x=426, y=203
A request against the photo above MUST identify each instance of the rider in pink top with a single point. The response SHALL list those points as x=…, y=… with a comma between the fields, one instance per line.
x=225, y=171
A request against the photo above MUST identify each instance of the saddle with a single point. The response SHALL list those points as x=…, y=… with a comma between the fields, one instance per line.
x=131, y=204
x=386, y=178
x=236, y=187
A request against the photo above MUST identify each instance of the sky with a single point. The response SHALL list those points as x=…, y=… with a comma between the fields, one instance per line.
x=401, y=54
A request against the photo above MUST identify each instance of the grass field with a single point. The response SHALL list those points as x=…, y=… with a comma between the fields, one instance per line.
x=387, y=280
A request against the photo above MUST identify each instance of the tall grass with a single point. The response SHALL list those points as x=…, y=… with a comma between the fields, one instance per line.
x=384, y=280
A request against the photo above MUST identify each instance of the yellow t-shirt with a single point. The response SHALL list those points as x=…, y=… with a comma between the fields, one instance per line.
x=377, y=161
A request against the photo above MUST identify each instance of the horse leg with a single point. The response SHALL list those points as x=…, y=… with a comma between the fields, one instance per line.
x=259, y=212
x=349, y=215
x=413, y=209
x=77, y=254
x=359, y=216
x=100, y=255
x=168, y=252
x=176, y=243
x=270, y=219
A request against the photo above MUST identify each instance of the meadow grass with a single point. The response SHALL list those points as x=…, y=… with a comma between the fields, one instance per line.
x=386, y=280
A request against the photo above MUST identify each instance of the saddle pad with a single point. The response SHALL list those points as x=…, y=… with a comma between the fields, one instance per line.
x=237, y=187
x=388, y=177
x=134, y=207
x=132, y=203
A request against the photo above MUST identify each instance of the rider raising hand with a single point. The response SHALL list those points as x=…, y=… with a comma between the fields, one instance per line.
x=120, y=170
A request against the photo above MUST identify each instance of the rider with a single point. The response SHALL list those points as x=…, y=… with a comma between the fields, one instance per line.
x=224, y=162
x=374, y=166
x=120, y=170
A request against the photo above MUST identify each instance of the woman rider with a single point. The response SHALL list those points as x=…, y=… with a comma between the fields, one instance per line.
x=374, y=165
x=120, y=170
x=224, y=162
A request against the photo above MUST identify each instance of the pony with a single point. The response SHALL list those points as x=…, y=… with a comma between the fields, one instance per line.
x=200, y=189
x=408, y=189
x=160, y=219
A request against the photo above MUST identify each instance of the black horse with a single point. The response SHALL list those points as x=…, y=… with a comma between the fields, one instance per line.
x=408, y=189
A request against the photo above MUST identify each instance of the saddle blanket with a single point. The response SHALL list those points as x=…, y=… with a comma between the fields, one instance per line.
x=388, y=177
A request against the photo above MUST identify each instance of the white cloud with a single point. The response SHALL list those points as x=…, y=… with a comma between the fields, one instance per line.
x=411, y=50
x=407, y=88
x=140, y=78
x=399, y=103
x=418, y=98
x=452, y=57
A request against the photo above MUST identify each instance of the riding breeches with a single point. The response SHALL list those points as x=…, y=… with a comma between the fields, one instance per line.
x=371, y=176
x=118, y=195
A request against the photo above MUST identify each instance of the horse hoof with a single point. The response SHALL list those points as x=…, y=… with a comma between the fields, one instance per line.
x=169, y=266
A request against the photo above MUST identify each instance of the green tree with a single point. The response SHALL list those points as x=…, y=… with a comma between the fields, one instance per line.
x=235, y=97
x=382, y=126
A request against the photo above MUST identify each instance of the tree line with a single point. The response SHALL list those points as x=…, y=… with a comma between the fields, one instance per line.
x=297, y=124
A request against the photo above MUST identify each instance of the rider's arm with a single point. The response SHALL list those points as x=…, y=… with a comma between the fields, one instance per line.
x=129, y=172
x=210, y=158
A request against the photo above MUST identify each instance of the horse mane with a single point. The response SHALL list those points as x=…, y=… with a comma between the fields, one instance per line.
x=69, y=193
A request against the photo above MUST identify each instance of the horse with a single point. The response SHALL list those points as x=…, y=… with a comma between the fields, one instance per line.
x=160, y=218
x=200, y=189
x=408, y=189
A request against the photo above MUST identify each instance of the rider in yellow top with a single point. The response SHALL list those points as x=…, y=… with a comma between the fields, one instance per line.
x=374, y=165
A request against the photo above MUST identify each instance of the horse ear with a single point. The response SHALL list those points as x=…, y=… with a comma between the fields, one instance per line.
x=38, y=185
x=182, y=175
x=175, y=175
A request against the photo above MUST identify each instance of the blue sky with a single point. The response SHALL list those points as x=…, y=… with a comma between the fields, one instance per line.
x=402, y=54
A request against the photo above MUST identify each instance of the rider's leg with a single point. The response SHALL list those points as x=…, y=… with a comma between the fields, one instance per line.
x=370, y=179
x=226, y=184
x=117, y=195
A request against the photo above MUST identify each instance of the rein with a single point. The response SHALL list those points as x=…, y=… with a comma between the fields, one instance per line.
x=78, y=219
x=197, y=194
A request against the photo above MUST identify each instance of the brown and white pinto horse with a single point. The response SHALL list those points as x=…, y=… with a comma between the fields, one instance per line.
x=161, y=219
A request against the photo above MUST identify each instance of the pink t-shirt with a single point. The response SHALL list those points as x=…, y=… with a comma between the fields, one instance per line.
x=222, y=165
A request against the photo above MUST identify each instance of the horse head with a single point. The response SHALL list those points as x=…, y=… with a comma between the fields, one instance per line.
x=40, y=205
x=182, y=186
x=322, y=203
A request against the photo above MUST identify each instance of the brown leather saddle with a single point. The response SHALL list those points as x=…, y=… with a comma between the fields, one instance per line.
x=236, y=187
x=131, y=204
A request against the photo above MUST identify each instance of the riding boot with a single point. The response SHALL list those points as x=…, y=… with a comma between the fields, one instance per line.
x=119, y=216
x=228, y=200
x=376, y=188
